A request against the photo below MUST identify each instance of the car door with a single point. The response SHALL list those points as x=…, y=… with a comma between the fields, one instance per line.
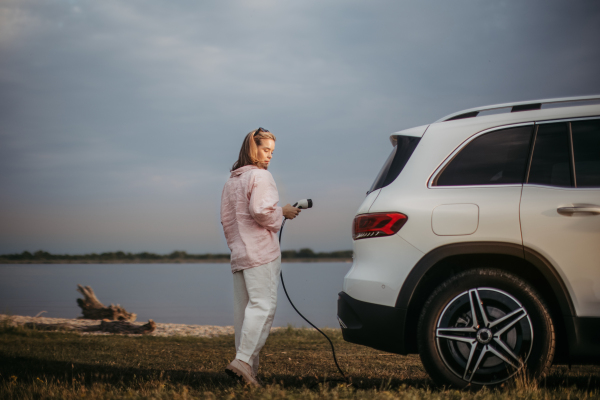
x=560, y=206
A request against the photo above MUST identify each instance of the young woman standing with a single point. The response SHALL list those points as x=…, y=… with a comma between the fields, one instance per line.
x=251, y=219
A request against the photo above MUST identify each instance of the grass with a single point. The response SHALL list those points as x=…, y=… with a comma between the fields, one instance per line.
x=295, y=363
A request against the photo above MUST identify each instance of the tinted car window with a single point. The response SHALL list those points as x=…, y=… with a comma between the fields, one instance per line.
x=405, y=145
x=586, y=148
x=495, y=158
x=550, y=163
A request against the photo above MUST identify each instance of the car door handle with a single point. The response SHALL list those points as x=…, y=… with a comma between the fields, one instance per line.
x=590, y=209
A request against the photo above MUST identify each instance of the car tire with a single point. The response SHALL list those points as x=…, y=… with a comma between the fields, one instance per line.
x=512, y=332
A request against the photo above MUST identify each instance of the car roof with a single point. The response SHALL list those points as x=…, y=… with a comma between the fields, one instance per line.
x=470, y=125
x=529, y=105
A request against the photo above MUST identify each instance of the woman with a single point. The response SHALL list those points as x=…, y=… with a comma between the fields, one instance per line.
x=251, y=218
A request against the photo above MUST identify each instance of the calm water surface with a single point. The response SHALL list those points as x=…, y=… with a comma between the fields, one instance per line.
x=170, y=293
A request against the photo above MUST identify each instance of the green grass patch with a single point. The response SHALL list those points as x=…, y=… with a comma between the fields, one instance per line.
x=295, y=363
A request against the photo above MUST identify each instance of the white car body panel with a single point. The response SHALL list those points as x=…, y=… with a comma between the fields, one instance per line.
x=368, y=202
x=570, y=242
x=386, y=261
x=498, y=213
x=379, y=269
x=455, y=219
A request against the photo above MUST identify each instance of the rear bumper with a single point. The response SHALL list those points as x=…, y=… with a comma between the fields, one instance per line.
x=379, y=269
x=371, y=325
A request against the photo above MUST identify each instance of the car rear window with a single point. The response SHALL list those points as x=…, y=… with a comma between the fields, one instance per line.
x=495, y=158
x=405, y=145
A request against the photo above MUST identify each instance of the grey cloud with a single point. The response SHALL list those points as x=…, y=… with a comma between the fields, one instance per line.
x=128, y=115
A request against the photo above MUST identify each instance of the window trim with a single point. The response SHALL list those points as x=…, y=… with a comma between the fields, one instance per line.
x=572, y=156
x=574, y=119
x=559, y=187
x=432, y=180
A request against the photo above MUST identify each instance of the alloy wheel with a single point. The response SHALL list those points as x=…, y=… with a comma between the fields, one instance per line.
x=484, y=336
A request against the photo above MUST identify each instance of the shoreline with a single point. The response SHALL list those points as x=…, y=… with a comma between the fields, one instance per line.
x=176, y=261
x=162, y=329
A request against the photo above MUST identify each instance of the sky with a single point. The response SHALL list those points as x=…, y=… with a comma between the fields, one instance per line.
x=120, y=120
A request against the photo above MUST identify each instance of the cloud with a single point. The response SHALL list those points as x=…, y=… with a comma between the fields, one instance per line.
x=128, y=115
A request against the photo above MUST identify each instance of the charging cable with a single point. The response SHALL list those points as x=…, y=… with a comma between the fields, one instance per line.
x=303, y=204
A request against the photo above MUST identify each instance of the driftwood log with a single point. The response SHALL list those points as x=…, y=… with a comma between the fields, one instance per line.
x=122, y=327
x=93, y=309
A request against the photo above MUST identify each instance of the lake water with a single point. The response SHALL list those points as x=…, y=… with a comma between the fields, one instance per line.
x=199, y=294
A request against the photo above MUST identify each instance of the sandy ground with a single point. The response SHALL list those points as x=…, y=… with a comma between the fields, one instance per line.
x=161, y=329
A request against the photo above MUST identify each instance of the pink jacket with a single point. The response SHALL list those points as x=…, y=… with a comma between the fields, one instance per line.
x=250, y=217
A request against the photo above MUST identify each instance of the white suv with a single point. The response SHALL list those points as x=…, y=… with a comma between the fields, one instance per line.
x=478, y=245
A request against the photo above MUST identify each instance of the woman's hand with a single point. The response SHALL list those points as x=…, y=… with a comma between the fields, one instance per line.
x=290, y=212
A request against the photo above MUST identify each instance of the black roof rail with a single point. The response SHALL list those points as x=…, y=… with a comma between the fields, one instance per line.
x=515, y=107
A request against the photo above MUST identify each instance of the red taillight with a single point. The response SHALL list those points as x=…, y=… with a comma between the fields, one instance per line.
x=377, y=225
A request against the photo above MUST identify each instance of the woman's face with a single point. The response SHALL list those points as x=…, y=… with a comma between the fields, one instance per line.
x=265, y=153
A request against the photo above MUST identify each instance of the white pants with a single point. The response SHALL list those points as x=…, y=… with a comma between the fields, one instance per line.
x=255, y=301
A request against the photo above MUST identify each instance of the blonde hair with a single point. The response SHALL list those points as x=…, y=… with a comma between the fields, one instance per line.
x=249, y=150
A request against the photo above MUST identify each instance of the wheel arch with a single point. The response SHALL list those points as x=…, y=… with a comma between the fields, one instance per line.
x=445, y=261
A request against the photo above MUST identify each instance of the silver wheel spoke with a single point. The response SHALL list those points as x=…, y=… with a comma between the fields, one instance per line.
x=473, y=347
x=486, y=323
x=469, y=329
x=515, y=318
x=456, y=338
x=507, y=316
x=473, y=314
x=483, y=351
x=509, y=351
x=500, y=356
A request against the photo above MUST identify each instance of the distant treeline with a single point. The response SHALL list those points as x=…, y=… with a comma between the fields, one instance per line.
x=308, y=253
x=151, y=257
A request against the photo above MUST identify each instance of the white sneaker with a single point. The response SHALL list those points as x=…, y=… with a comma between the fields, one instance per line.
x=241, y=371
